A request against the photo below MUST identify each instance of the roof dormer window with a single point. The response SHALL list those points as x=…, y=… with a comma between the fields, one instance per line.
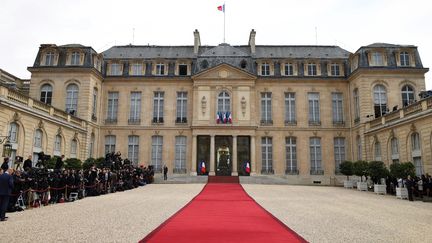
x=289, y=69
x=49, y=59
x=136, y=69
x=115, y=69
x=377, y=59
x=160, y=69
x=265, y=69
x=404, y=58
x=312, y=69
x=75, y=58
x=335, y=69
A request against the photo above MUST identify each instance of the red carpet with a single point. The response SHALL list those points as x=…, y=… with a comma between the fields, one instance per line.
x=222, y=212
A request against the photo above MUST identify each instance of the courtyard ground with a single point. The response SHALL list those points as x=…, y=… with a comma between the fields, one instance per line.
x=317, y=213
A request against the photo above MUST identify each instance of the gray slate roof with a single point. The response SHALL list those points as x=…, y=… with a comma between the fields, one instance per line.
x=131, y=51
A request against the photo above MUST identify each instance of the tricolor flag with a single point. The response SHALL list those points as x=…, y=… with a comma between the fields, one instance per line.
x=229, y=117
x=247, y=167
x=202, y=167
x=221, y=8
x=217, y=118
x=224, y=117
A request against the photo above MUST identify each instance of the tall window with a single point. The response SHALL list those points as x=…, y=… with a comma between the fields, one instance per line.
x=133, y=148
x=156, y=159
x=266, y=108
x=311, y=69
x=394, y=150
x=359, y=147
x=380, y=100
x=137, y=69
x=404, y=58
x=110, y=144
x=74, y=145
x=49, y=59
x=75, y=58
x=337, y=99
x=94, y=108
x=267, y=155
x=224, y=102
x=181, y=107
x=291, y=155
x=160, y=69
x=289, y=69
x=314, y=108
x=315, y=156
x=112, y=107
x=377, y=151
x=38, y=138
x=57, y=145
x=377, y=59
x=339, y=151
x=13, y=132
x=416, y=153
x=290, y=107
x=335, y=69
x=91, y=146
x=115, y=69
x=46, y=94
x=356, y=105
x=158, y=107
x=265, y=69
x=407, y=95
x=72, y=99
x=180, y=154
x=135, y=107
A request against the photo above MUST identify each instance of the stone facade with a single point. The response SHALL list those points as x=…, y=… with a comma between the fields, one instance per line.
x=291, y=111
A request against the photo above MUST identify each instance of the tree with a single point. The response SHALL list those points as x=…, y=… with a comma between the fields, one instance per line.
x=50, y=164
x=346, y=168
x=377, y=170
x=88, y=163
x=360, y=168
x=402, y=170
x=73, y=163
x=99, y=162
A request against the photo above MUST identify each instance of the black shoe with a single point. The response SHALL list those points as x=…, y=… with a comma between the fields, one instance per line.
x=4, y=219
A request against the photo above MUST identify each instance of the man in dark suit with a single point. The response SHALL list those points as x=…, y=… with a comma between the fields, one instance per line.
x=59, y=163
x=28, y=163
x=6, y=185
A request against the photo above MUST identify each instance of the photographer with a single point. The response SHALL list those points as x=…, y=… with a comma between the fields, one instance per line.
x=59, y=163
x=28, y=163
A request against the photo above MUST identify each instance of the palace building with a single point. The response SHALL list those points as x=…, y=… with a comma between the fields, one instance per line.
x=290, y=111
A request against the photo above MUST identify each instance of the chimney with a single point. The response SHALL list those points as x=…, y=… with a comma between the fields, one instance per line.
x=252, y=41
x=197, y=41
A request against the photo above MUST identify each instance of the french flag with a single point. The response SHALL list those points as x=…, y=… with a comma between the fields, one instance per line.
x=217, y=118
x=247, y=167
x=229, y=117
x=224, y=117
x=202, y=167
x=221, y=8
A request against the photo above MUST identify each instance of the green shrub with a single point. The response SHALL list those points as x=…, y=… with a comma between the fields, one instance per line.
x=402, y=170
x=346, y=168
x=73, y=163
x=88, y=163
x=50, y=164
x=360, y=168
x=377, y=170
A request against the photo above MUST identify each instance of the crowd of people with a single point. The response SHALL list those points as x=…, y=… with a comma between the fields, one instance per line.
x=36, y=186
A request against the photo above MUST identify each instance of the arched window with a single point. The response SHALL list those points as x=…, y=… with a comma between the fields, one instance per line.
x=377, y=151
x=394, y=150
x=416, y=153
x=46, y=94
x=57, y=145
x=74, y=146
x=38, y=139
x=224, y=102
x=380, y=100
x=407, y=95
x=72, y=99
x=13, y=132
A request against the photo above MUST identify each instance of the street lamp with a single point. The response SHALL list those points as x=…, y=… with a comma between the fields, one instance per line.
x=7, y=147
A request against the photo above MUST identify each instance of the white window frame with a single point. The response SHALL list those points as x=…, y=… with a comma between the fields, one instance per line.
x=75, y=58
x=312, y=69
x=181, y=106
x=180, y=153
x=314, y=107
x=115, y=69
x=133, y=149
x=94, y=108
x=407, y=95
x=290, y=107
x=265, y=69
x=160, y=69
x=110, y=143
x=137, y=69
x=394, y=143
x=72, y=92
x=13, y=132
x=156, y=156
x=57, y=145
x=337, y=101
x=112, y=106
x=335, y=69
x=135, y=106
x=266, y=107
x=404, y=59
x=49, y=59
x=356, y=104
x=289, y=69
x=46, y=94
x=291, y=155
x=38, y=139
x=267, y=155
x=158, y=105
x=339, y=151
x=74, y=146
x=377, y=151
x=224, y=102
x=377, y=59
x=380, y=98
x=315, y=154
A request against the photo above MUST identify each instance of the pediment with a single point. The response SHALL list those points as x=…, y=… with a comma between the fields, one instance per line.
x=224, y=71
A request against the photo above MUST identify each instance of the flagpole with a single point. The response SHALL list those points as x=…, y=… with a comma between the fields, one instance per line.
x=224, y=22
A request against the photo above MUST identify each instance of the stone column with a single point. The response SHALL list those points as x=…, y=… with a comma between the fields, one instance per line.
x=212, y=155
x=234, y=157
x=253, y=159
x=194, y=156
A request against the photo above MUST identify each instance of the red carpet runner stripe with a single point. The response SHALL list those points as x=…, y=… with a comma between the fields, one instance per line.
x=222, y=213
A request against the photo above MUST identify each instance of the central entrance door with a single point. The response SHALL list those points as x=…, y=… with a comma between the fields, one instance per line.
x=223, y=155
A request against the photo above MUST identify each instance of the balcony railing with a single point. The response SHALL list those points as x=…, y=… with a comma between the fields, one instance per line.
x=314, y=123
x=134, y=121
x=317, y=172
x=158, y=120
x=291, y=172
x=110, y=121
x=181, y=120
x=266, y=122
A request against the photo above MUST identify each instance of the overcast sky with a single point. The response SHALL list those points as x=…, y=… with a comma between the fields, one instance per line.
x=350, y=24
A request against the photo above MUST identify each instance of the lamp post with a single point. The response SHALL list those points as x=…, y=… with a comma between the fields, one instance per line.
x=7, y=147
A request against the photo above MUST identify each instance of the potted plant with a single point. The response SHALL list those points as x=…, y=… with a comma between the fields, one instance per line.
x=360, y=169
x=346, y=168
x=377, y=171
x=401, y=171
